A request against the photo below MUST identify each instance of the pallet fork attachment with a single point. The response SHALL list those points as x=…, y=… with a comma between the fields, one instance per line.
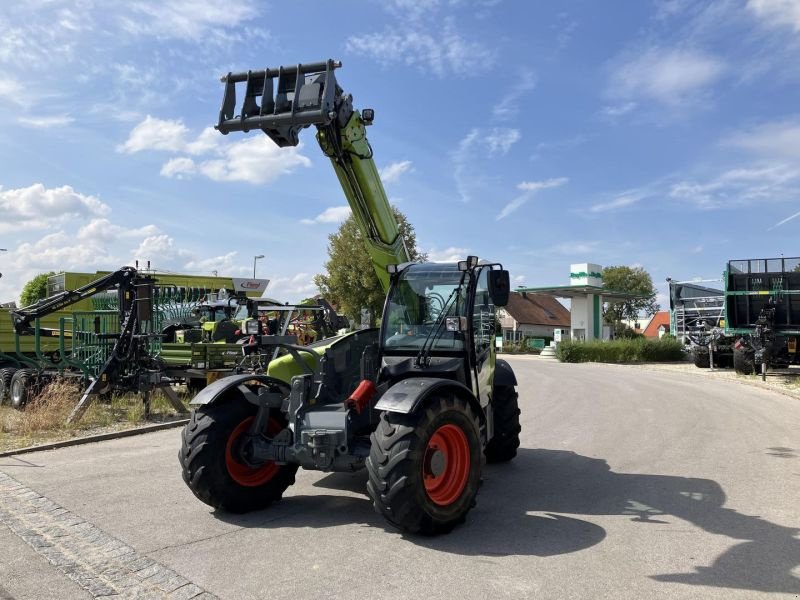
x=306, y=95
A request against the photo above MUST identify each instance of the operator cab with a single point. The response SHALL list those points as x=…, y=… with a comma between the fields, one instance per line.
x=439, y=320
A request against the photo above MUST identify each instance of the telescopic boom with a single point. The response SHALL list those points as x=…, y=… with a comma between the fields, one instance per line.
x=281, y=102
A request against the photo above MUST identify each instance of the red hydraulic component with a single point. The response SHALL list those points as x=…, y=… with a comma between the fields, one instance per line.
x=360, y=398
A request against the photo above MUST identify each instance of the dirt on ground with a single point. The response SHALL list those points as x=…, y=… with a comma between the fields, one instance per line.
x=44, y=419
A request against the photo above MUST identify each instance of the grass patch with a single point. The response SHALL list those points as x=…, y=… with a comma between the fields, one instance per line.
x=44, y=419
x=623, y=351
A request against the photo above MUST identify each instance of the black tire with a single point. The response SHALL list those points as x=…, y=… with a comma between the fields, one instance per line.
x=401, y=452
x=24, y=387
x=702, y=359
x=503, y=446
x=204, y=460
x=6, y=373
x=744, y=361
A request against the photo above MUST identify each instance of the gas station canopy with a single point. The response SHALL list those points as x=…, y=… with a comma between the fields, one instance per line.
x=574, y=291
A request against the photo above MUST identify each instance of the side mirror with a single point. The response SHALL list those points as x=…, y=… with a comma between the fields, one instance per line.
x=499, y=286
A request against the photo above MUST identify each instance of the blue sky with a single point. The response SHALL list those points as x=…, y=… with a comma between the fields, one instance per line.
x=661, y=134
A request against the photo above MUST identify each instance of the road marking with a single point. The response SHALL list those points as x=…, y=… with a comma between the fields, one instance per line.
x=101, y=564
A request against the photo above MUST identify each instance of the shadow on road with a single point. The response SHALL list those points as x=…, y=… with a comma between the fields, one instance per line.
x=556, y=483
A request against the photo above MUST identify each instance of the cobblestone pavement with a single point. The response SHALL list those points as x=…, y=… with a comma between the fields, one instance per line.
x=102, y=565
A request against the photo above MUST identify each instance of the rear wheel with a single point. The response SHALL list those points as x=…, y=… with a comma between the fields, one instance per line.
x=23, y=388
x=425, y=468
x=701, y=359
x=211, y=464
x=744, y=361
x=6, y=373
x=503, y=446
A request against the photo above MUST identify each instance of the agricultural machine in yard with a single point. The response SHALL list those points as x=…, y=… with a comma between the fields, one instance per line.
x=419, y=402
x=110, y=349
x=760, y=326
x=87, y=329
x=762, y=311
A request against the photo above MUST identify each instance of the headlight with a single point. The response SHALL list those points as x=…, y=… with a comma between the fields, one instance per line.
x=251, y=327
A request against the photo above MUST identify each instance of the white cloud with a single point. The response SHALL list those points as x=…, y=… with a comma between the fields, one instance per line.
x=298, y=286
x=225, y=263
x=671, y=77
x=535, y=186
x=470, y=158
x=159, y=250
x=618, y=110
x=740, y=186
x=449, y=254
x=508, y=106
x=178, y=167
x=393, y=171
x=440, y=51
x=500, y=139
x=196, y=20
x=772, y=139
x=103, y=229
x=44, y=122
x=623, y=200
x=529, y=189
x=253, y=160
x=156, y=134
x=784, y=221
x=11, y=91
x=334, y=214
x=780, y=13
x=38, y=207
x=59, y=251
x=412, y=9
x=207, y=141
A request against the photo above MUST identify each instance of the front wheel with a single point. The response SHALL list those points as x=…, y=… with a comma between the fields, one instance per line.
x=425, y=468
x=211, y=466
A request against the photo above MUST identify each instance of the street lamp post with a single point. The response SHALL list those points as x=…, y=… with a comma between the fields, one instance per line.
x=255, y=259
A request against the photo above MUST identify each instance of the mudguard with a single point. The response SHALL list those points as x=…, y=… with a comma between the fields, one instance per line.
x=504, y=374
x=214, y=391
x=406, y=395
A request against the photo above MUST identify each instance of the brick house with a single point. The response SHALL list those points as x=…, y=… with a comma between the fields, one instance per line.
x=531, y=315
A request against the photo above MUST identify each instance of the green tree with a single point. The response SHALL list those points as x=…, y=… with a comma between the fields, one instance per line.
x=633, y=280
x=35, y=289
x=350, y=281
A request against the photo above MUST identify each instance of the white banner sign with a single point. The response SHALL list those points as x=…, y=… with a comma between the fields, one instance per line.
x=250, y=285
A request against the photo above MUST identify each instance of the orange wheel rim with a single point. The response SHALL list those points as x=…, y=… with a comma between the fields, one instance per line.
x=242, y=473
x=445, y=467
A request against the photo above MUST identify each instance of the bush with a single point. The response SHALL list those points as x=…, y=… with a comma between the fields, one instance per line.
x=621, y=351
x=521, y=347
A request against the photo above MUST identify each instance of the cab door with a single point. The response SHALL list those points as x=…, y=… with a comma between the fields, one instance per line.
x=482, y=333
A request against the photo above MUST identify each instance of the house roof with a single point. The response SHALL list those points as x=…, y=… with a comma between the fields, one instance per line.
x=660, y=318
x=537, y=309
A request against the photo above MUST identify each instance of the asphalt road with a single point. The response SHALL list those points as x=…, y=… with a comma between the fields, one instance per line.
x=629, y=484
